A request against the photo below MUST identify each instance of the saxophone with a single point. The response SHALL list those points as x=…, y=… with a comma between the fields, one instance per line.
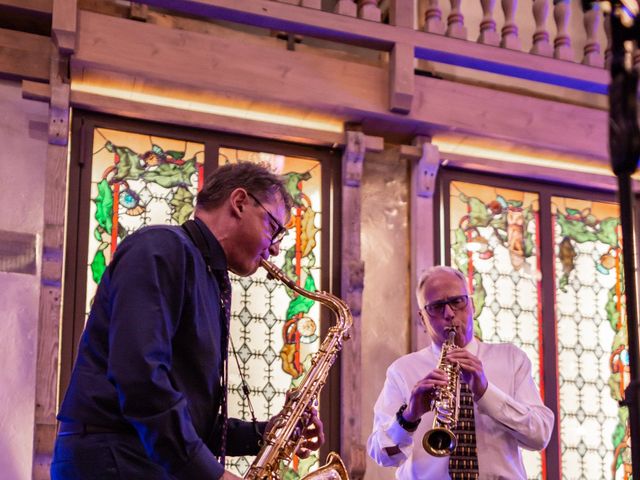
x=440, y=441
x=283, y=439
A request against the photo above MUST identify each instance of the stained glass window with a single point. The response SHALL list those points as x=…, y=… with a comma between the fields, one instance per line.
x=275, y=332
x=592, y=353
x=494, y=242
x=137, y=180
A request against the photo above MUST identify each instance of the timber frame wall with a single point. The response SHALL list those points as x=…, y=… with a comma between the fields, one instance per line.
x=186, y=49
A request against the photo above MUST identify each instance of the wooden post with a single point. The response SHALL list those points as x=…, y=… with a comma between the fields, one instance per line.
x=49, y=317
x=52, y=270
x=426, y=161
x=352, y=278
x=401, y=78
x=64, y=25
x=402, y=13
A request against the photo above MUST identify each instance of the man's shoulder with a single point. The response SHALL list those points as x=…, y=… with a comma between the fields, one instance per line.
x=157, y=233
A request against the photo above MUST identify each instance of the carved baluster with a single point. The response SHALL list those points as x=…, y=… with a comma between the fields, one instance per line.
x=541, y=45
x=488, y=34
x=346, y=7
x=433, y=18
x=455, y=22
x=510, y=30
x=562, y=42
x=368, y=9
x=592, y=55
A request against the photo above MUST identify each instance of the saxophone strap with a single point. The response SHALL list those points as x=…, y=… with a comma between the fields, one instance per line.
x=224, y=284
x=463, y=461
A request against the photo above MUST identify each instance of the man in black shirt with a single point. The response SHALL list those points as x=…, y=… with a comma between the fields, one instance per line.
x=146, y=398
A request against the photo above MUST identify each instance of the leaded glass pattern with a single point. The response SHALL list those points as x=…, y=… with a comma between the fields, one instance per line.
x=592, y=354
x=276, y=332
x=494, y=242
x=137, y=180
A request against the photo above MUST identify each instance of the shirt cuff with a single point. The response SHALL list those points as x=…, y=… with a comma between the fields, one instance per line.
x=398, y=435
x=202, y=465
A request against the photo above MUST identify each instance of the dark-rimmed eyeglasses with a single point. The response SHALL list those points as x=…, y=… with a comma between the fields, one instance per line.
x=280, y=230
x=436, y=309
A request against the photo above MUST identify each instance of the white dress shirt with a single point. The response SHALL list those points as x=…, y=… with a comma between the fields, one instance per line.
x=509, y=415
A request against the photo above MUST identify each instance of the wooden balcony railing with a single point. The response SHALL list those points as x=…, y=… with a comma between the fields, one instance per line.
x=590, y=35
x=571, y=55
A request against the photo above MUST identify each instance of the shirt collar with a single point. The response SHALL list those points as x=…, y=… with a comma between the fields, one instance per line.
x=218, y=257
x=472, y=347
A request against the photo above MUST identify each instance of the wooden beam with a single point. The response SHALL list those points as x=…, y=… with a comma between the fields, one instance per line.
x=208, y=121
x=349, y=90
x=63, y=24
x=24, y=55
x=40, y=92
x=437, y=48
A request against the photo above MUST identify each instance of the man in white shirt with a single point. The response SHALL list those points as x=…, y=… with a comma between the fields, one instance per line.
x=509, y=413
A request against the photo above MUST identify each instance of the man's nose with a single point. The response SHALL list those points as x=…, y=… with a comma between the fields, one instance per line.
x=448, y=312
x=274, y=249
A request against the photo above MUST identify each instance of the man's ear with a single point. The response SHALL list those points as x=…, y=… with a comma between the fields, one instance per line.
x=423, y=320
x=238, y=200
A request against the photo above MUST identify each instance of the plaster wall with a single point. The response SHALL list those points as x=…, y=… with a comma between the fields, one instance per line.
x=386, y=320
x=23, y=140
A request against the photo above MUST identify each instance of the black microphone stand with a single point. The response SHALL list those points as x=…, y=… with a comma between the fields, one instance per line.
x=624, y=148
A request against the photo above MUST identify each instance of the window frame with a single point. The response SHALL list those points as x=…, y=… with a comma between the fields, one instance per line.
x=78, y=213
x=551, y=456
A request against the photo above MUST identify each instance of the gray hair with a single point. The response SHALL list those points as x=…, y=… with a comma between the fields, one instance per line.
x=252, y=177
x=429, y=273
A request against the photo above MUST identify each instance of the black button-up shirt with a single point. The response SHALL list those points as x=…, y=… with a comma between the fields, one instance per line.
x=150, y=357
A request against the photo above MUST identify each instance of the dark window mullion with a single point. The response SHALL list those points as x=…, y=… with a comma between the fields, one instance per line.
x=549, y=333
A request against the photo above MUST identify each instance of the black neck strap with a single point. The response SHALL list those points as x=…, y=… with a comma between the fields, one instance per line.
x=196, y=236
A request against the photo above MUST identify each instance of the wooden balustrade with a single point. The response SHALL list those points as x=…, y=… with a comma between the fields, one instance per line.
x=593, y=53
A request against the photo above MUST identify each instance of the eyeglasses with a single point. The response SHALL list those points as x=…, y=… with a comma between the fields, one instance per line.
x=280, y=230
x=436, y=309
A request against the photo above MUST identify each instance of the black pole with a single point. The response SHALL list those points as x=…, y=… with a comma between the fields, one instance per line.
x=624, y=147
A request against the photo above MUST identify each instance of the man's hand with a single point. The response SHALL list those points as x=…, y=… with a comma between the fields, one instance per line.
x=310, y=430
x=472, y=371
x=313, y=433
x=422, y=394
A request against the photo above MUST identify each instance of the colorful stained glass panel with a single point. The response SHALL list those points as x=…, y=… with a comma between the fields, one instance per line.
x=592, y=356
x=494, y=242
x=276, y=332
x=137, y=180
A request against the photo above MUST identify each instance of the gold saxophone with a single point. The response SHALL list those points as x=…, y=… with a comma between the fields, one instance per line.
x=283, y=439
x=440, y=441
